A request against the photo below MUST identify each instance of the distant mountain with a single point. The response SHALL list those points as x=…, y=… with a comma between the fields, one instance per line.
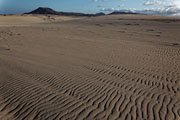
x=122, y=12
x=44, y=10
x=100, y=14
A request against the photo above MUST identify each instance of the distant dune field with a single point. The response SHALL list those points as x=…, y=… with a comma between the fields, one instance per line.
x=114, y=67
x=24, y=20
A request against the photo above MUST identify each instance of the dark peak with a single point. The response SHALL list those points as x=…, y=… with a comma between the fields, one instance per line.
x=43, y=10
x=100, y=14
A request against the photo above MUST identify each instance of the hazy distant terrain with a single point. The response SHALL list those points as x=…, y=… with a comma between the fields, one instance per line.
x=112, y=67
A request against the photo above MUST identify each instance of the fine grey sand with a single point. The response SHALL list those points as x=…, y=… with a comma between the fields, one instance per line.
x=113, y=67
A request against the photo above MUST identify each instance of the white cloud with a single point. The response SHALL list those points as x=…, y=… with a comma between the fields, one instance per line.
x=109, y=10
x=154, y=2
x=162, y=2
x=171, y=8
x=175, y=3
x=94, y=0
x=121, y=5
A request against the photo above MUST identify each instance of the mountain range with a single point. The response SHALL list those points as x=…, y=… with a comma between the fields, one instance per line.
x=45, y=10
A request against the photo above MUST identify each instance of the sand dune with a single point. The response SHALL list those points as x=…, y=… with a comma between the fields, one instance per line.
x=24, y=20
x=101, y=68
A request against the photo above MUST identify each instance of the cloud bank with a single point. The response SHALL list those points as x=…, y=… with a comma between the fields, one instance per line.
x=152, y=7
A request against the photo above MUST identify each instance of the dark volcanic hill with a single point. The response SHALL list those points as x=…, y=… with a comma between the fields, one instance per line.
x=100, y=14
x=121, y=12
x=44, y=10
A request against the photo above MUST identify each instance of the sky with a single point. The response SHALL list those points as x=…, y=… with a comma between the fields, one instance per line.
x=160, y=7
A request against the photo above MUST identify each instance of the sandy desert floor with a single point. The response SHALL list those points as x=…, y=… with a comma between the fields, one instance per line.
x=99, y=68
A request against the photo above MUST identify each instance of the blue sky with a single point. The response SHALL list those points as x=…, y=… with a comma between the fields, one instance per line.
x=88, y=6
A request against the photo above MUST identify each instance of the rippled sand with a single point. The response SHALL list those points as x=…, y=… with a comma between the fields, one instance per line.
x=98, y=68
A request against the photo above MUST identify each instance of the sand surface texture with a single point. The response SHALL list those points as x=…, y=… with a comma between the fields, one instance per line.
x=124, y=67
